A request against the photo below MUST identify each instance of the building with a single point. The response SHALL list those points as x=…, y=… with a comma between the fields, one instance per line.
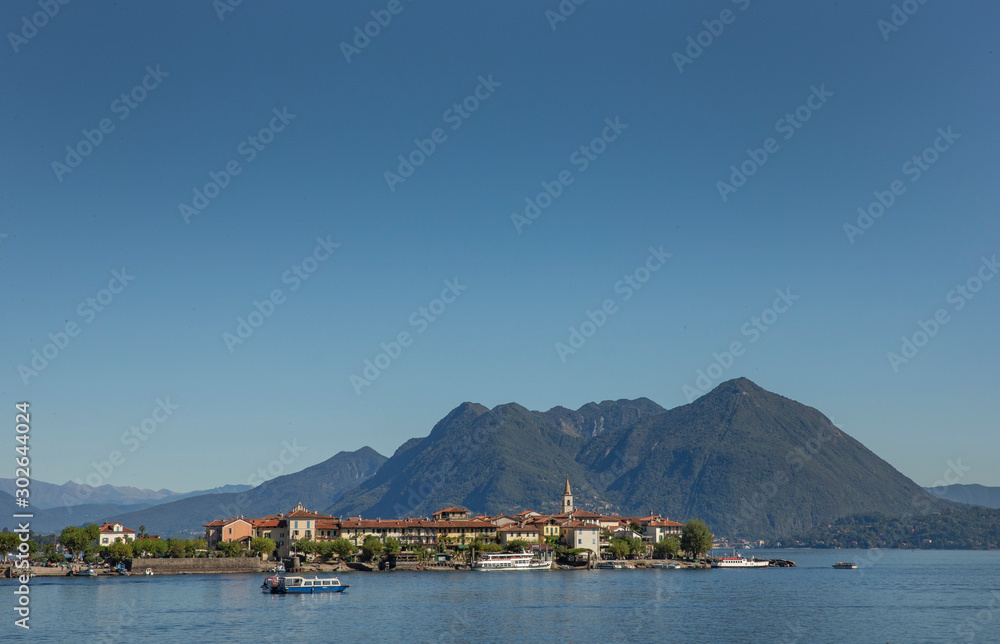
x=574, y=527
x=567, y=499
x=451, y=514
x=112, y=532
x=580, y=534
x=235, y=529
x=530, y=533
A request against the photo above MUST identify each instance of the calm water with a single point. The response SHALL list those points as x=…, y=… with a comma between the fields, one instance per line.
x=904, y=596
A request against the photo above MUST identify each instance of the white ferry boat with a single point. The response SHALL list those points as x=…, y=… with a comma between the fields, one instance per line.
x=509, y=561
x=737, y=561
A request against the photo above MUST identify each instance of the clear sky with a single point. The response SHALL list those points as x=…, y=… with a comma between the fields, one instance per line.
x=632, y=129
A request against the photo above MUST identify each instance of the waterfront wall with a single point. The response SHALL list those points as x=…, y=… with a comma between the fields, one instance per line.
x=197, y=565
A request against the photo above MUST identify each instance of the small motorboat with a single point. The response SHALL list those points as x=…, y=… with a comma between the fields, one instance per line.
x=270, y=584
x=148, y=572
x=845, y=565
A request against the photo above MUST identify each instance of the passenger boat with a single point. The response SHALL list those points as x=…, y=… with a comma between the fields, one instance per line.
x=509, y=561
x=737, y=561
x=300, y=585
x=845, y=565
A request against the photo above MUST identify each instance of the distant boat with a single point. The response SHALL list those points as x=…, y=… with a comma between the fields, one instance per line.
x=845, y=565
x=510, y=561
x=673, y=565
x=301, y=585
x=737, y=561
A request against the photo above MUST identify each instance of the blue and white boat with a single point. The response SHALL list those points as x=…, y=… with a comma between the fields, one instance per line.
x=290, y=585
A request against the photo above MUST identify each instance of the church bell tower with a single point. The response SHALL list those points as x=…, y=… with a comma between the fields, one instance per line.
x=567, y=498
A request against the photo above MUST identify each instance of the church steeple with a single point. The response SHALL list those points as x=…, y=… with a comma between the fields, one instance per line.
x=567, y=498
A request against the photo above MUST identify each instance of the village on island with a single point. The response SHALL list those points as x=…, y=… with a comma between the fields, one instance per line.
x=450, y=539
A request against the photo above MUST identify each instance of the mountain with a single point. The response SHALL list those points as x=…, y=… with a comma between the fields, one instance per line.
x=507, y=458
x=315, y=486
x=964, y=527
x=49, y=495
x=971, y=494
x=747, y=461
x=750, y=463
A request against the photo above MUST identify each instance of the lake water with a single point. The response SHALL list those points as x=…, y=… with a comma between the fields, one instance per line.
x=901, y=596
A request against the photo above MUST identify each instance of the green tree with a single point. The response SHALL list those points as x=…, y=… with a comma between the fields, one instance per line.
x=517, y=545
x=635, y=527
x=175, y=548
x=76, y=540
x=229, y=548
x=391, y=545
x=119, y=551
x=696, y=538
x=305, y=546
x=637, y=546
x=342, y=548
x=196, y=544
x=486, y=546
x=667, y=546
x=149, y=547
x=371, y=548
x=8, y=543
x=262, y=545
x=618, y=548
x=142, y=531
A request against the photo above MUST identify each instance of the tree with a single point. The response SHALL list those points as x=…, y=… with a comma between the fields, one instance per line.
x=305, y=546
x=391, y=545
x=229, y=548
x=637, y=546
x=175, y=548
x=667, y=546
x=696, y=539
x=486, y=546
x=517, y=545
x=8, y=543
x=195, y=545
x=371, y=548
x=149, y=547
x=619, y=548
x=342, y=548
x=262, y=545
x=142, y=531
x=119, y=551
x=76, y=540
x=635, y=527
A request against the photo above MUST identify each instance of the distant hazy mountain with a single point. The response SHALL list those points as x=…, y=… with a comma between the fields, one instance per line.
x=315, y=487
x=49, y=495
x=972, y=494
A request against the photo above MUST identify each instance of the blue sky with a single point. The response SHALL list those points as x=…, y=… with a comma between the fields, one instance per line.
x=873, y=98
